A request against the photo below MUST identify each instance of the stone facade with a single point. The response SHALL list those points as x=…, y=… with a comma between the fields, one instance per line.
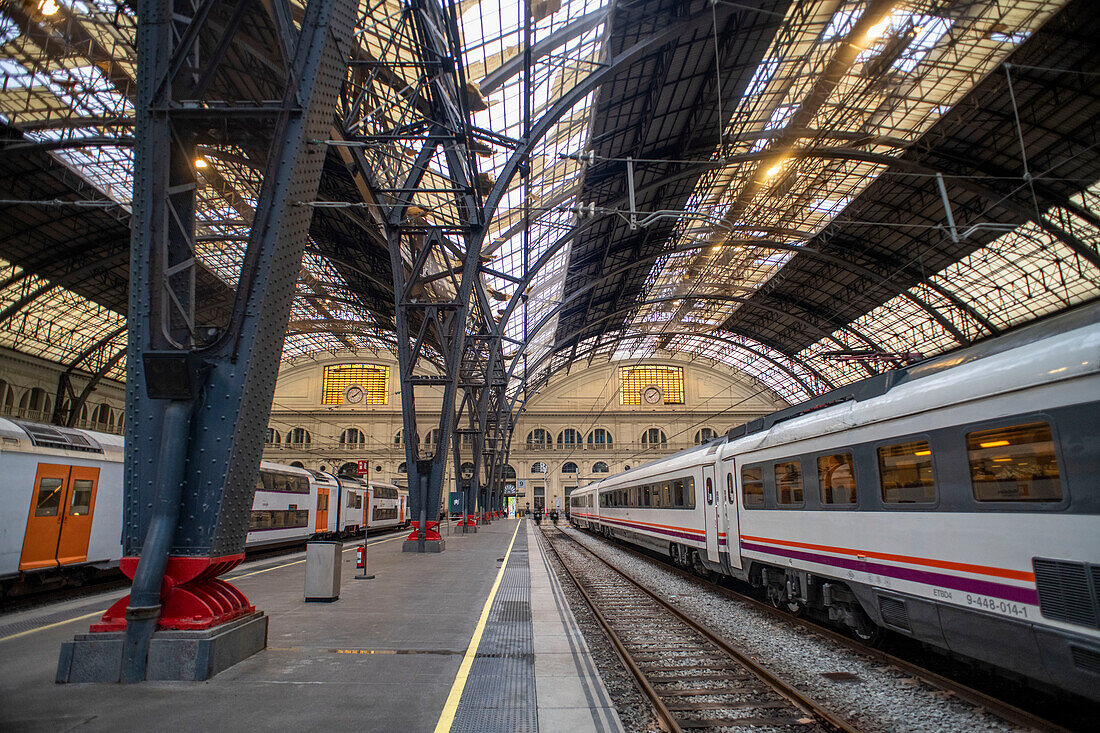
x=583, y=401
x=28, y=390
x=557, y=430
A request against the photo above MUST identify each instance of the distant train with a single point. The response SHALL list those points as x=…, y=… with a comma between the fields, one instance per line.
x=61, y=504
x=956, y=501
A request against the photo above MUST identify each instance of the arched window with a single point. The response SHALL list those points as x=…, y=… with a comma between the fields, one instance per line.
x=403, y=467
x=350, y=469
x=7, y=397
x=705, y=435
x=569, y=436
x=299, y=436
x=297, y=464
x=466, y=469
x=654, y=438
x=397, y=438
x=538, y=438
x=35, y=403
x=102, y=416
x=352, y=437
x=120, y=420
x=600, y=467
x=432, y=438
x=569, y=467
x=508, y=473
x=599, y=437
x=273, y=437
x=538, y=467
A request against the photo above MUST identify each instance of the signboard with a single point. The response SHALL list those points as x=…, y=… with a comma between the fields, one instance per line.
x=521, y=484
x=364, y=467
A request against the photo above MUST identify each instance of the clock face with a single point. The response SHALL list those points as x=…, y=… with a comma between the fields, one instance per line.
x=651, y=395
x=354, y=394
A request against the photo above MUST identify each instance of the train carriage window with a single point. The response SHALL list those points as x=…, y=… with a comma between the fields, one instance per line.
x=82, y=497
x=905, y=473
x=49, y=497
x=836, y=475
x=788, y=483
x=729, y=488
x=278, y=519
x=752, y=486
x=358, y=501
x=1014, y=463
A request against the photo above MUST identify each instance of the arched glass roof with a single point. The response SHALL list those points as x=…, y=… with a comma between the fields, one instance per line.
x=822, y=189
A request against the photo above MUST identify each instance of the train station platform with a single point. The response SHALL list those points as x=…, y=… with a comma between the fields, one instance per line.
x=478, y=638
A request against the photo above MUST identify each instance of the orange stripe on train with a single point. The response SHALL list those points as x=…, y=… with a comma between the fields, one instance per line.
x=945, y=564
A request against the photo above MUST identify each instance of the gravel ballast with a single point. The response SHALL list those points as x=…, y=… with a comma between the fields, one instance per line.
x=879, y=698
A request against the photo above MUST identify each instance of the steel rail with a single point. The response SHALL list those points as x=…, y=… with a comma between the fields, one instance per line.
x=796, y=697
x=993, y=705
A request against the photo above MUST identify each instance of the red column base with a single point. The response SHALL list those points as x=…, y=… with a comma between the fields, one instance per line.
x=431, y=532
x=485, y=518
x=467, y=521
x=191, y=596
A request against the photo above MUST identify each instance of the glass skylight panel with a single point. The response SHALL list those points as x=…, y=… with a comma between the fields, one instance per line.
x=780, y=199
x=928, y=30
x=842, y=22
x=762, y=76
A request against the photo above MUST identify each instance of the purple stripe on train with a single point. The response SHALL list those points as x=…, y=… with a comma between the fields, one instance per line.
x=656, y=530
x=967, y=585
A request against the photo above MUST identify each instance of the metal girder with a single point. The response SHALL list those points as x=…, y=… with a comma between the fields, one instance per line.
x=199, y=395
x=651, y=301
x=496, y=78
x=439, y=299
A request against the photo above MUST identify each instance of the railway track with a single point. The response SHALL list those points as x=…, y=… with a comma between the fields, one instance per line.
x=994, y=705
x=695, y=680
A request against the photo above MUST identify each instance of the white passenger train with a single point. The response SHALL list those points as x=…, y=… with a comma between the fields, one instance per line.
x=955, y=501
x=61, y=504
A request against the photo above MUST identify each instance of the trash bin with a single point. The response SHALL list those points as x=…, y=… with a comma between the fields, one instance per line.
x=323, y=570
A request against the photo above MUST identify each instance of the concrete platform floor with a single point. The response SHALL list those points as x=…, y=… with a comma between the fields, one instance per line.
x=384, y=657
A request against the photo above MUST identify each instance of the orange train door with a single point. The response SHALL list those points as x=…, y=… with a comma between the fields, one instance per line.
x=59, y=525
x=322, y=509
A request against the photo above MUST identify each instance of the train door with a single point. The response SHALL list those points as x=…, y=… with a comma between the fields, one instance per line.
x=59, y=525
x=401, y=512
x=730, y=518
x=322, y=509
x=711, y=506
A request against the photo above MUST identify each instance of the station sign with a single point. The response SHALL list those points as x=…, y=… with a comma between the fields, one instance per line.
x=363, y=467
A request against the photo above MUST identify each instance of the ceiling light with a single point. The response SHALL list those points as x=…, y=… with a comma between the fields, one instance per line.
x=49, y=7
x=200, y=162
x=875, y=31
x=994, y=444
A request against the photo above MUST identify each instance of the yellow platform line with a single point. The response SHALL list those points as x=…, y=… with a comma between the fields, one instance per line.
x=447, y=717
x=51, y=626
x=237, y=577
